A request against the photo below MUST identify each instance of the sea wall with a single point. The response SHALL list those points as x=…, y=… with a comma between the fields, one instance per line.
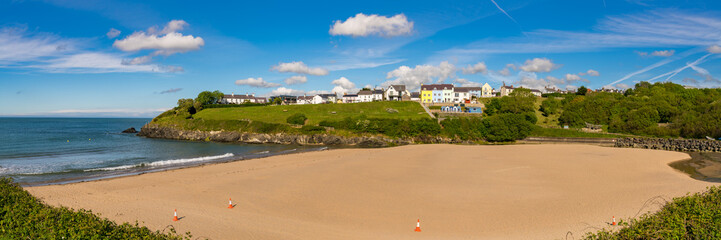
x=682, y=145
x=154, y=131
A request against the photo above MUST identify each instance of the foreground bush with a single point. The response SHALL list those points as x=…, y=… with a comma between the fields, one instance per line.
x=696, y=216
x=507, y=127
x=297, y=119
x=23, y=216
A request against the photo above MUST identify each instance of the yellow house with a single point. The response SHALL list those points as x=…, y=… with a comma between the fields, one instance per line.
x=426, y=95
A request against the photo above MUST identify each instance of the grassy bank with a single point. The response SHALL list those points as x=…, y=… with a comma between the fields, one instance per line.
x=317, y=112
x=22, y=216
x=696, y=216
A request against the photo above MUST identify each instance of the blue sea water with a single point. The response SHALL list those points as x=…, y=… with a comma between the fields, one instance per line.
x=37, y=151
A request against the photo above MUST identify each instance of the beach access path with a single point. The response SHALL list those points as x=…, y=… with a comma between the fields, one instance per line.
x=457, y=191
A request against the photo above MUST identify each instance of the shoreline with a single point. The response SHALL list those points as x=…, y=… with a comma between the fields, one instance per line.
x=375, y=193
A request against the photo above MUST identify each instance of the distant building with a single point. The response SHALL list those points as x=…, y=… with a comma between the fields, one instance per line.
x=240, y=99
x=439, y=93
x=377, y=94
x=286, y=99
x=415, y=96
x=474, y=109
x=506, y=90
x=536, y=92
x=396, y=92
x=328, y=98
x=472, y=91
x=487, y=91
x=461, y=94
x=350, y=98
x=365, y=96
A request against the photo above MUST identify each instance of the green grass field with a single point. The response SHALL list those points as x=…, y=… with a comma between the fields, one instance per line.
x=316, y=112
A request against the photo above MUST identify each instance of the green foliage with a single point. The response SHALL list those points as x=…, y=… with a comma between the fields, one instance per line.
x=507, y=127
x=519, y=101
x=470, y=128
x=567, y=133
x=208, y=97
x=297, y=119
x=389, y=127
x=659, y=109
x=309, y=129
x=550, y=106
x=23, y=216
x=696, y=216
x=277, y=101
x=582, y=91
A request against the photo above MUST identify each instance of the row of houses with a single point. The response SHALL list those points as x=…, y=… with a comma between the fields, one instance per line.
x=429, y=94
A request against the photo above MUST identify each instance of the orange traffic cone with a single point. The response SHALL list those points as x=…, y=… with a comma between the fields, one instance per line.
x=175, y=215
x=230, y=203
x=614, y=221
x=418, y=226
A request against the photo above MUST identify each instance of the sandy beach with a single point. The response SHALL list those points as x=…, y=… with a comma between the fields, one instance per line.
x=458, y=192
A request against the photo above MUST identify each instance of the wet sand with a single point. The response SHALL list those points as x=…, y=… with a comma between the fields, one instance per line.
x=458, y=192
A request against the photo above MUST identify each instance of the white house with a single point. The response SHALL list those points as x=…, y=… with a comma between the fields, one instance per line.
x=506, y=90
x=461, y=94
x=329, y=98
x=396, y=92
x=350, y=98
x=487, y=91
x=377, y=95
x=365, y=96
x=317, y=99
x=415, y=96
x=240, y=99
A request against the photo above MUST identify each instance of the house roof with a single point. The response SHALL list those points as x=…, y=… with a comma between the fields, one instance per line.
x=468, y=89
x=378, y=91
x=365, y=92
x=415, y=95
x=399, y=88
x=327, y=95
x=460, y=90
x=242, y=96
x=350, y=95
x=305, y=97
x=436, y=87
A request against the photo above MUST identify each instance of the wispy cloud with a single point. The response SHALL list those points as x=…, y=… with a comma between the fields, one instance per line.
x=172, y=90
x=660, y=28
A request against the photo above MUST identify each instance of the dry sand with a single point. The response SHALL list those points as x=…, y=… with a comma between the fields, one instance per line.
x=458, y=192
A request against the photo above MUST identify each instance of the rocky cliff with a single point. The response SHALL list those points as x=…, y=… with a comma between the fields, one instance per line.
x=154, y=131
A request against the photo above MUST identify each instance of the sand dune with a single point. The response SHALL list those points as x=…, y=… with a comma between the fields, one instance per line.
x=458, y=192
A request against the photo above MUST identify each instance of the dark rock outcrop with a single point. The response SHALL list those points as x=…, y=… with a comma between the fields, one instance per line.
x=682, y=145
x=130, y=130
x=154, y=131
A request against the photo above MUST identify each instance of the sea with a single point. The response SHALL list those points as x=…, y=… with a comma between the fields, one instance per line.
x=42, y=151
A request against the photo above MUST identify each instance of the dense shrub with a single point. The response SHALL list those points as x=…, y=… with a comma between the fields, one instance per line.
x=312, y=129
x=507, y=127
x=297, y=119
x=695, y=216
x=23, y=216
x=550, y=106
x=464, y=128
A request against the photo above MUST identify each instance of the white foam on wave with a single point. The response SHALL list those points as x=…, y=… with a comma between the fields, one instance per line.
x=263, y=152
x=164, y=163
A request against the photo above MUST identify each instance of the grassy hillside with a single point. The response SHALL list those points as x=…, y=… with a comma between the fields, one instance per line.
x=316, y=112
x=22, y=216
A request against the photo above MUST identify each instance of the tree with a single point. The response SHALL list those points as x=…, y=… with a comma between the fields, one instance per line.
x=550, y=106
x=582, y=90
x=208, y=97
x=277, y=101
x=506, y=127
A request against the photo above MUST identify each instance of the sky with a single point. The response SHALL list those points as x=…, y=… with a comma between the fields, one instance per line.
x=63, y=58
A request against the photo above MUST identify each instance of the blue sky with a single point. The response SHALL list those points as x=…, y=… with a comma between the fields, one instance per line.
x=136, y=58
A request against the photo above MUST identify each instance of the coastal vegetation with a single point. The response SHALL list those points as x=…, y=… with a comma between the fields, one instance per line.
x=691, y=217
x=658, y=110
x=22, y=216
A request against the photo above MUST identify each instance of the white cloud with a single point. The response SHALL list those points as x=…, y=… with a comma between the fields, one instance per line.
x=166, y=42
x=714, y=49
x=362, y=25
x=343, y=85
x=113, y=33
x=642, y=54
x=421, y=74
x=664, y=53
x=296, y=80
x=466, y=83
x=572, y=77
x=256, y=82
x=505, y=72
x=300, y=68
x=286, y=91
x=592, y=72
x=623, y=86
x=137, y=60
x=17, y=45
x=539, y=65
x=476, y=68
x=99, y=63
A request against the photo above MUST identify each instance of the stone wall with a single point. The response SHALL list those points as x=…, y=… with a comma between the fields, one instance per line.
x=681, y=145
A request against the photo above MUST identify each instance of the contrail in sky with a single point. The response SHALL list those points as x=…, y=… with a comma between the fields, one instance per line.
x=504, y=11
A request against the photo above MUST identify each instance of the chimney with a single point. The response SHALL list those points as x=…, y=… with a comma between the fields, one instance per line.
x=232, y=94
